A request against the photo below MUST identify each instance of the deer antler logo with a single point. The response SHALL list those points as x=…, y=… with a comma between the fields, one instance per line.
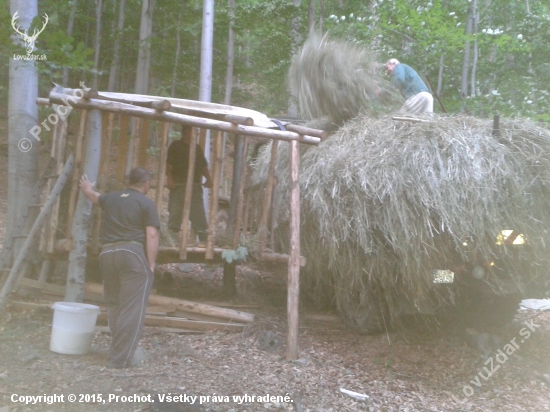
x=29, y=40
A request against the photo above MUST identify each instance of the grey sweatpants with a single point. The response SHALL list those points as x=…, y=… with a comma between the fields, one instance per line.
x=127, y=282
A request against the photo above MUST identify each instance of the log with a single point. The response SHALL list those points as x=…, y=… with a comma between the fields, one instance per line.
x=143, y=142
x=15, y=272
x=240, y=198
x=410, y=119
x=86, y=94
x=188, y=194
x=177, y=118
x=294, y=260
x=79, y=230
x=185, y=323
x=216, y=176
x=231, y=118
x=267, y=196
x=322, y=134
x=188, y=306
x=161, y=173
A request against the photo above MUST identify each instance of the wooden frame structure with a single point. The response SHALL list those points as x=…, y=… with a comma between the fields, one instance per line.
x=92, y=153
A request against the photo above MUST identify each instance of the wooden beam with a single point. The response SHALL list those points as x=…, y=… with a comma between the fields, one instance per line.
x=188, y=195
x=214, y=194
x=322, y=134
x=294, y=260
x=204, y=123
x=240, y=198
x=161, y=171
x=231, y=118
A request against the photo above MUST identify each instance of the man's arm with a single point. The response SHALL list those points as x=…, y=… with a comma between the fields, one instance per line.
x=87, y=188
x=152, y=246
x=206, y=173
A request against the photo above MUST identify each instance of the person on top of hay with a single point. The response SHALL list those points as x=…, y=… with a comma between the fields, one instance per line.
x=412, y=88
x=177, y=165
x=129, y=245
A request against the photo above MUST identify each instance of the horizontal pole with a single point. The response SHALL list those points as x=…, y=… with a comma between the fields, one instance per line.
x=307, y=131
x=129, y=110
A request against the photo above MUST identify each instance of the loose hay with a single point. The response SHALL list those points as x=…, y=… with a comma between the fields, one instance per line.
x=337, y=79
x=384, y=203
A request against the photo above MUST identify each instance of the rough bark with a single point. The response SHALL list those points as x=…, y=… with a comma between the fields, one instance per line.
x=77, y=258
x=22, y=117
x=113, y=72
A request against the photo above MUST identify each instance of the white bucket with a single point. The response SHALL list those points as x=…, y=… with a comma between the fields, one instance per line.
x=73, y=327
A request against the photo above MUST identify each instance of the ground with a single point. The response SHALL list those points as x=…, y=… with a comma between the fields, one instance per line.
x=410, y=369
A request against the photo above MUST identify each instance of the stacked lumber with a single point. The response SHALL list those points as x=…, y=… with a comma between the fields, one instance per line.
x=162, y=311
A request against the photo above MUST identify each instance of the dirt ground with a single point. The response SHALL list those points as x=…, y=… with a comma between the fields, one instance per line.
x=411, y=369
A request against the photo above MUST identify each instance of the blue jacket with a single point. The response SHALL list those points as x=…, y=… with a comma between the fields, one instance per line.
x=407, y=81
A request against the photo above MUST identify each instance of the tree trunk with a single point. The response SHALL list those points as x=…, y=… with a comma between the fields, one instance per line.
x=22, y=117
x=440, y=75
x=205, y=87
x=321, y=15
x=76, y=278
x=466, y=63
x=70, y=27
x=475, y=18
x=296, y=39
x=97, y=41
x=230, y=54
x=176, y=57
x=113, y=72
x=144, y=54
x=311, y=16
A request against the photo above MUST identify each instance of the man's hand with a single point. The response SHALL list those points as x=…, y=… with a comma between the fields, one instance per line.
x=208, y=184
x=87, y=188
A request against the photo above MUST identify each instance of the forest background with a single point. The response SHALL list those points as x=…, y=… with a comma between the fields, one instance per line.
x=483, y=56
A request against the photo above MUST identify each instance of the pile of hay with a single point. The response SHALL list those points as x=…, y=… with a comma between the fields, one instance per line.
x=338, y=79
x=384, y=203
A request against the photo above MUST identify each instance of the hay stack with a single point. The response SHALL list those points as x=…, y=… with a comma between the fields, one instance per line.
x=337, y=79
x=384, y=203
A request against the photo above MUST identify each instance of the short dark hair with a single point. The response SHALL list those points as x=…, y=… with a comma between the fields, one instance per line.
x=138, y=176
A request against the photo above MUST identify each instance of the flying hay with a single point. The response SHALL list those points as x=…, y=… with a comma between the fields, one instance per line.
x=385, y=203
x=337, y=79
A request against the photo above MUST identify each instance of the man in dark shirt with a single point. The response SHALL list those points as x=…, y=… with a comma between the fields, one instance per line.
x=129, y=239
x=418, y=98
x=177, y=167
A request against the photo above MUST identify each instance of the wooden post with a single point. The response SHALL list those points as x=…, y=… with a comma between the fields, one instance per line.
x=274, y=210
x=246, y=212
x=188, y=195
x=216, y=176
x=143, y=143
x=267, y=195
x=74, y=291
x=161, y=173
x=16, y=271
x=133, y=152
x=77, y=166
x=242, y=180
x=106, y=138
x=123, y=143
x=294, y=255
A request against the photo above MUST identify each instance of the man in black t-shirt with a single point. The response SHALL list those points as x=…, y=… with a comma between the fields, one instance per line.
x=129, y=245
x=177, y=167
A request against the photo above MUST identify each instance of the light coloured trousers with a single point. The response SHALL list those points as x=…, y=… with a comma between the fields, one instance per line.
x=422, y=102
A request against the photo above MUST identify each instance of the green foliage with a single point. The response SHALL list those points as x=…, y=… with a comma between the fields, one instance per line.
x=238, y=255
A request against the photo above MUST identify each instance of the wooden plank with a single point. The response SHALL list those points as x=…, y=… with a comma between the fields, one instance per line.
x=188, y=195
x=123, y=144
x=294, y=260
x=267, y=195
x=214, y=195
x=240, y=197
x=185, y=323
x=161, y=171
